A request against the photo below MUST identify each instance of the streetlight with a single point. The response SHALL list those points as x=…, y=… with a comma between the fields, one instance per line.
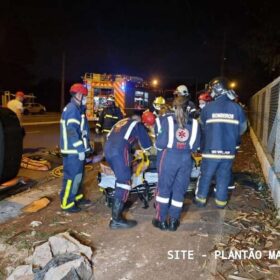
x=155, y=82
x=232, y=85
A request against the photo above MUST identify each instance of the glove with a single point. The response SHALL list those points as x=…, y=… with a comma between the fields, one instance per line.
x=97, y=130
x=82, y=156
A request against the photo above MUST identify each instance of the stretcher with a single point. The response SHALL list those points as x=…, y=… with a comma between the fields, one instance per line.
x=144, y=179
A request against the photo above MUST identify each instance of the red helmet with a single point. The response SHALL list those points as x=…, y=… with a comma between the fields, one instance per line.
x=205, y=96
x=20, y=94
x=78, y=88
x=148, y=118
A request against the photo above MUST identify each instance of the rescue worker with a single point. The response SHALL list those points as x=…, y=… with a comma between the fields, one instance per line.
x=74, y=144
x=182, y=90
x=16, y=105
x=179, y=136
x=159, y=106
x=223, y=122
x=110, y=115
x=121, y=138
x=203, y=99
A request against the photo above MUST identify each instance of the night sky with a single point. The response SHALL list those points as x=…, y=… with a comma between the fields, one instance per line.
x=174, y=41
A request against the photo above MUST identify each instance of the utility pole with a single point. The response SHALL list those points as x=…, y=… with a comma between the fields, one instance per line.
x=223, y=58
x=62, y=82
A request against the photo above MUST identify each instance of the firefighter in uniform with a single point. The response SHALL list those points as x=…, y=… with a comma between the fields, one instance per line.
x=121, y=138
x=159, y=106
x=108, y=117
x=179, y=136
x=223, y=122
x=182, y=90
x=74, y=143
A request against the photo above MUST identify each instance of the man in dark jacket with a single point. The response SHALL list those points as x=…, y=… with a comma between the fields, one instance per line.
x=223, y=122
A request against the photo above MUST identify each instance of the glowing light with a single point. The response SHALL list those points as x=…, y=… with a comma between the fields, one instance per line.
x=232, y=85
x=155, y=82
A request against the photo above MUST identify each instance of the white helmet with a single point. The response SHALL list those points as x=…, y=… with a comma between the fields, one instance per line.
x=181, y=90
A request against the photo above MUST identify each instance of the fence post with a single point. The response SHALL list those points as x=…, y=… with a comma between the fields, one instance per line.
x=277, y=142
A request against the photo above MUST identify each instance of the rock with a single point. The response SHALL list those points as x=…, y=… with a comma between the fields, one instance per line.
x=22, y=272
x=73, y=270
x=42, y=255
x=64, y=243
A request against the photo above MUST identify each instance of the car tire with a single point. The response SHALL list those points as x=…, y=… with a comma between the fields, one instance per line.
x=11, y=142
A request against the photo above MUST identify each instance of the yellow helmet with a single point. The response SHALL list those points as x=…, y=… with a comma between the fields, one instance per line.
x=158, y=102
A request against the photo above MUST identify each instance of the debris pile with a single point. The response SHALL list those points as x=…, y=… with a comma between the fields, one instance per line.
x=254, y=248
x=61, y=257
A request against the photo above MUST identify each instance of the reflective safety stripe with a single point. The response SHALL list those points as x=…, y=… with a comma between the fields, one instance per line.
x=73, y=121
x=222, y=121
x=218, y=156
x=63, y=151
x=162, y=199
x=105, y=130
x=193, y=110
x=78, y=143
x=220, y=202
x=170, y=132
x=79, y=197
x=66, y=194
x=64, y=135
x=111, y=117
x=158, y=125
x=199, y=199
x=70, y=205
x=123, y=186
x=237, y=147
x=231, y=187
x=98, y=124
x=129, y=130
x=176, y=203
x=194, y=132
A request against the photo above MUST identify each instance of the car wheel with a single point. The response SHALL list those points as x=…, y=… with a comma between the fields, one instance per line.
x=11, y=139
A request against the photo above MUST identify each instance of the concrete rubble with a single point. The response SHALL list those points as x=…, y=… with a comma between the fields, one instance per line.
x=61, y=257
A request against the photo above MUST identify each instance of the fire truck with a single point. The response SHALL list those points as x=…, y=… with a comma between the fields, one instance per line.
x=131, y=93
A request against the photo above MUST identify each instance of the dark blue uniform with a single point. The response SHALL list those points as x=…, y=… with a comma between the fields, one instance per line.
x=223, y=122
x=175, y=164
x=121, y=139
x=74, y=139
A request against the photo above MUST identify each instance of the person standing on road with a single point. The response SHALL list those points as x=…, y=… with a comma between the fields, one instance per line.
x=178, y=137
x=16, y=105
x=223, y=122
x=74, y=144
x=108, y=117
x=124, y=135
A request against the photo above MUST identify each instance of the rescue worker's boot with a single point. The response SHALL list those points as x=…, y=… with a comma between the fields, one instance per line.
x=159, y=224
x=117, y=221
x=173, y=224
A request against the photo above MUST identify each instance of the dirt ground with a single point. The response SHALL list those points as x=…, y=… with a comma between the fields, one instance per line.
x=248, y=223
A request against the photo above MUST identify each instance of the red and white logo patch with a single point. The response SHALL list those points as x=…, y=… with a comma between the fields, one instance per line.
x=182, y=135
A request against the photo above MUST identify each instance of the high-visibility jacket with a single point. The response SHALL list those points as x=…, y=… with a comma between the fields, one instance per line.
x=74, y=130
x=108, y=117
x=223, y=122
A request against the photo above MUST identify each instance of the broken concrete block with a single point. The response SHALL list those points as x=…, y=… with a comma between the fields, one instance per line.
x=22, y=272
x=77, y=269
x=64, y=243
x=42, y=255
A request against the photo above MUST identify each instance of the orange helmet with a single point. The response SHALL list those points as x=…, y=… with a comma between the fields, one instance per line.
x=148, y=118
x=78, y=88
x=19, y=94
